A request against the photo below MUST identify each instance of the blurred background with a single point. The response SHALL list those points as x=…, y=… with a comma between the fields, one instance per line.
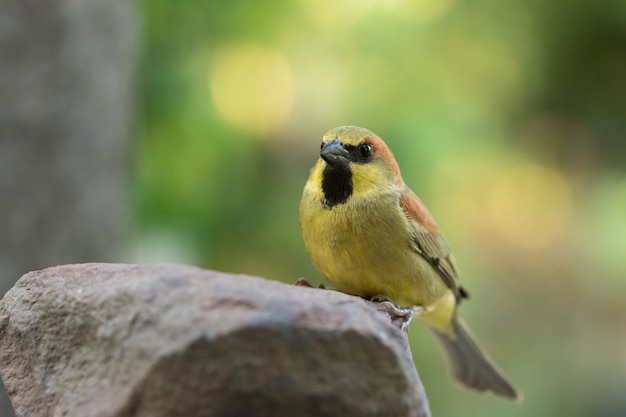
x=183, y=132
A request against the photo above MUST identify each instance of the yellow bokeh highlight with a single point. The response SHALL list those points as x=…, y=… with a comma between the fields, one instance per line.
x=418, y=10
x=531, y=205
x=253, y=88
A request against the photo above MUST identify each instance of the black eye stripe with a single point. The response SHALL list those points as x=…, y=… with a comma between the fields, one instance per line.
x=360, y=154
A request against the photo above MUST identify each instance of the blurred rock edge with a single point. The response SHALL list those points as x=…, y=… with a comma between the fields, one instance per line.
x=172, y=340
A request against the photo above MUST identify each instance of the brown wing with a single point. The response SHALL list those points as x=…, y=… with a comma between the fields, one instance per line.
x=429, y=242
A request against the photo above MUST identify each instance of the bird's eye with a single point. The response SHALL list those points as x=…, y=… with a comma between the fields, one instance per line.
x=366, y=150
x=322, y=145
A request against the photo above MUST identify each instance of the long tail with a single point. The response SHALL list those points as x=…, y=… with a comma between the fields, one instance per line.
x=471, y=367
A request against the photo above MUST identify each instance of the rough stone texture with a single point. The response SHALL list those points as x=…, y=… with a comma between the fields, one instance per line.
x=169, y=340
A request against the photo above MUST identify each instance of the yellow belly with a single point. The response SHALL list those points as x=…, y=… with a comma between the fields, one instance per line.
x=364, y=252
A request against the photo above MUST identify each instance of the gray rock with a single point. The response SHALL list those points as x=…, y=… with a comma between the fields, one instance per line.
x=170, y=340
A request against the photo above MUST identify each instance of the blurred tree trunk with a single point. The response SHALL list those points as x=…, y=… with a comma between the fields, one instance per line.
x=66, y=94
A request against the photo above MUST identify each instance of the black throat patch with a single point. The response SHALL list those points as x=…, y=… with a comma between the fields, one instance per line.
x=336, y=185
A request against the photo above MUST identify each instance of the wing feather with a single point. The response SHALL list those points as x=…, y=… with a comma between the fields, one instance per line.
x=428, y=242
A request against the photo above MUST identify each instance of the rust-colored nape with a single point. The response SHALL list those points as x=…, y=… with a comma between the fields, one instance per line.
x=382, y=151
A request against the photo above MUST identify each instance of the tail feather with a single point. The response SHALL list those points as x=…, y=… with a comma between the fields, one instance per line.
x=470, y=365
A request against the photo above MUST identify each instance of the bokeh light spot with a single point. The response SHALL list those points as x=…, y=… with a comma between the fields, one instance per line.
x=531, y=205
x=253, y=88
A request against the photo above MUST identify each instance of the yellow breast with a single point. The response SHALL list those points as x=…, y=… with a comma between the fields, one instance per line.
x=363, y=247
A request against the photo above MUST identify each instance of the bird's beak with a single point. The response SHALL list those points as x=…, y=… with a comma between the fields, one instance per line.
x=334, y=153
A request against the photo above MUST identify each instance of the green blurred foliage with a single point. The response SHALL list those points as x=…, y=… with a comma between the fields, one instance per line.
x=507, y=118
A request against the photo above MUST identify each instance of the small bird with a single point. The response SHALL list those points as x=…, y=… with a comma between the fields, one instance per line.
x=371, y=236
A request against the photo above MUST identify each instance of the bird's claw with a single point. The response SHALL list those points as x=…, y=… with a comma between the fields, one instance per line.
x=400, y=316
x=301, y=282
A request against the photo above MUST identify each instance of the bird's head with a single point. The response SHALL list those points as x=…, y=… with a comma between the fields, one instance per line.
x=354, y=162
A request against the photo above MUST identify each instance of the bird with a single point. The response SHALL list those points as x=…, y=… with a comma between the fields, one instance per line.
x=369, y=235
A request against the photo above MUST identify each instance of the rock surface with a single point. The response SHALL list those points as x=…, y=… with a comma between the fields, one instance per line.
x=170, y=340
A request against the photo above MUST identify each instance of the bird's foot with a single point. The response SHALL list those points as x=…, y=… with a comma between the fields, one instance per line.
x=400, y=316
x=301, y=282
